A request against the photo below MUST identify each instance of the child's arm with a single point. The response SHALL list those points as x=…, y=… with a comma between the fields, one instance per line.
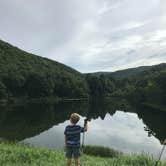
x=85, y=125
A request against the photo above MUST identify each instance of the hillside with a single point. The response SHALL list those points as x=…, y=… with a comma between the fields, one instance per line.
x=132, y=72
x=26, y=75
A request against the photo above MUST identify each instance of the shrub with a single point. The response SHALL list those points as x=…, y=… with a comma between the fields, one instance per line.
x=101, y=151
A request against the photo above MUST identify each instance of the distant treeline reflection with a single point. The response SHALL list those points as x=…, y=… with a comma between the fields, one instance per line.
x=21, y=122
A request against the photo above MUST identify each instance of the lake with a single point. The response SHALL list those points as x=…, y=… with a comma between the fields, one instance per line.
x=114, y=124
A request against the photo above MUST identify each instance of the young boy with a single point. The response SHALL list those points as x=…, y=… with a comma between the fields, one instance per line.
x=72, y=138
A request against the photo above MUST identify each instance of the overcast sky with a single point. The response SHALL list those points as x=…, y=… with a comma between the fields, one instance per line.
x=88, y=35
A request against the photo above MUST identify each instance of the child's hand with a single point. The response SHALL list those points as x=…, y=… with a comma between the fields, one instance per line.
x=165, y=142
x=86, y=120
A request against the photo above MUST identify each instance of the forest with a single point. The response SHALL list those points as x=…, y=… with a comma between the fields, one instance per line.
x=27, y=76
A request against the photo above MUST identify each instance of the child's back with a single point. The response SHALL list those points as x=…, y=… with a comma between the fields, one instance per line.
x=72, y=138
x=72, y=133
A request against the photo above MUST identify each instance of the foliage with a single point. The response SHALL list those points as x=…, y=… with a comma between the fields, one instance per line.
x=2, y=91
x=101, y=151
x=26, y=75
x=101, y=86
x=150, y=89
x=145, y=85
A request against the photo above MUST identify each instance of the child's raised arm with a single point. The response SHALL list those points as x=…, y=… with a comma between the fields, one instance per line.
x=85, y=125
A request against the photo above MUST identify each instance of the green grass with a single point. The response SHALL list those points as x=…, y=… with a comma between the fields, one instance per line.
x=23, y=155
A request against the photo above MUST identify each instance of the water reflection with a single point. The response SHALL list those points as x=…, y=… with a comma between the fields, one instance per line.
x=155, y=123
x=131, y=130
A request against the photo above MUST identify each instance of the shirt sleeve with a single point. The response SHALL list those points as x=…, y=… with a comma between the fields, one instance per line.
x=65, y=132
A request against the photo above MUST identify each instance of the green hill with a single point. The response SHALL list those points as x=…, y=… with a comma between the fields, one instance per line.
x=132, y=72
x=26, y=75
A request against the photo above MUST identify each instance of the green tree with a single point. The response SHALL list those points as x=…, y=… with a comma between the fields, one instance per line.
x=3, y=93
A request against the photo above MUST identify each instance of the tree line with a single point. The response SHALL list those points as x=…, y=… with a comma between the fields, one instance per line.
x=24, y=75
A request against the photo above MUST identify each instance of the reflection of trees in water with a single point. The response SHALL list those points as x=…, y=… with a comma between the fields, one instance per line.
x=154, y=120
x=155, y=123
x=20, y=122
x=99, y=108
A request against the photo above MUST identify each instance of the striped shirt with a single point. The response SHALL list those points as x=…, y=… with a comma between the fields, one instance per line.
x=73, y=133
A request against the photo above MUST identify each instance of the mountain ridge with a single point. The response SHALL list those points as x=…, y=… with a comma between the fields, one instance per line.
x=126, y=73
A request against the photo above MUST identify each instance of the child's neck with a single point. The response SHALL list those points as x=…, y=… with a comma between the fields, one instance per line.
x=73, y=124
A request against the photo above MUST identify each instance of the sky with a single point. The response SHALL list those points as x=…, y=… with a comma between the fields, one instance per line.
x=88, y=35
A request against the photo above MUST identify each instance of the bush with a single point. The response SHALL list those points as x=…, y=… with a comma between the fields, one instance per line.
x=101, y=151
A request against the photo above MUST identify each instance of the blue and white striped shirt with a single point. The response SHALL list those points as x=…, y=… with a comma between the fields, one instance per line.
x=72, y=133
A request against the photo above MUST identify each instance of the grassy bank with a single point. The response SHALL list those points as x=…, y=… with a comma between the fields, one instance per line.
x=23, y=155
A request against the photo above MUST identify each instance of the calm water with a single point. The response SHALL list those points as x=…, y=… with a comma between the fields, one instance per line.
x=114, y=124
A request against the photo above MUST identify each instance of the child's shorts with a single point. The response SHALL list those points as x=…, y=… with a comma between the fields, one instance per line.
x=73, y=151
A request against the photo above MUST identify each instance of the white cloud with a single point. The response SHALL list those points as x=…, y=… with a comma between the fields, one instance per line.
x=95, y=35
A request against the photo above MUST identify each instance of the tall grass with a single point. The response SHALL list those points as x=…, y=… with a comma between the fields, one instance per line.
x=13, y=154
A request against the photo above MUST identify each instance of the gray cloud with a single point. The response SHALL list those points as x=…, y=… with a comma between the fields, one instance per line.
x=95, y=35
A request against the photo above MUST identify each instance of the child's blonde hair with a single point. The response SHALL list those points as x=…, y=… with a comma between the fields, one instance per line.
x=74, y=118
